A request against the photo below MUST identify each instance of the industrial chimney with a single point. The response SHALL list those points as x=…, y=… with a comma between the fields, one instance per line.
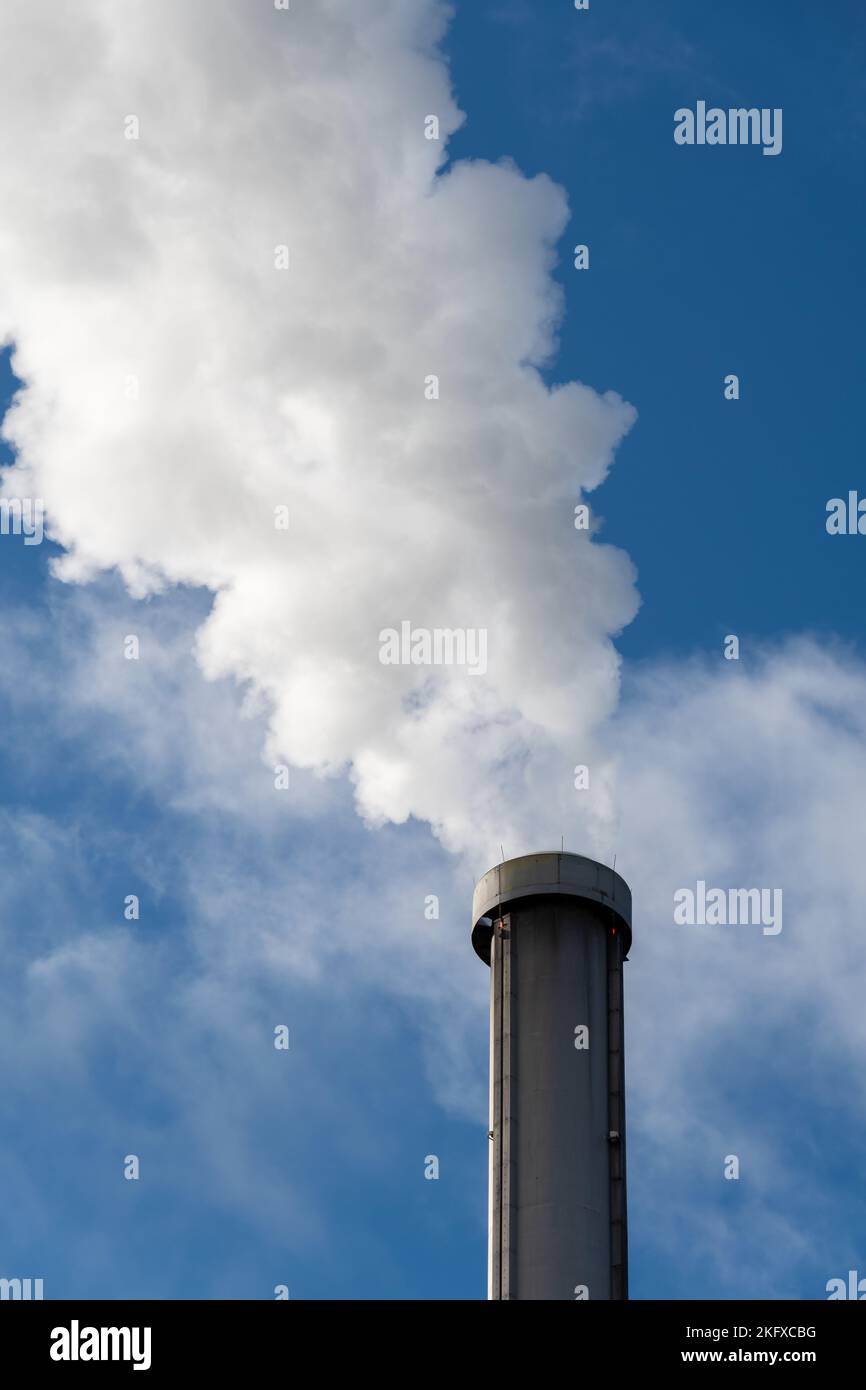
x=555, y=930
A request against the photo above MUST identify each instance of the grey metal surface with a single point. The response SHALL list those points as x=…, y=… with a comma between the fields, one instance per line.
x=543, y=876
x=557, y=1121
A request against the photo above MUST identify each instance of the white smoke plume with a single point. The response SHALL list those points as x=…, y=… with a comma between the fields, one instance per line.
x=181, y=385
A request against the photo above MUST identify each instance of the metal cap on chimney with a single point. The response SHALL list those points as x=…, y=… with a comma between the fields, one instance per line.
x=547, y=876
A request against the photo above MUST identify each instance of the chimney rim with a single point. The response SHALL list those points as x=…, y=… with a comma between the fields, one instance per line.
x=549, y=875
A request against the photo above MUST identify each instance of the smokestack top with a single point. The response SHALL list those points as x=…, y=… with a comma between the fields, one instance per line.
x=549, y=876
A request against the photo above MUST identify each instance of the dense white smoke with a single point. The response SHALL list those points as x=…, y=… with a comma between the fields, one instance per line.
x=181, y=385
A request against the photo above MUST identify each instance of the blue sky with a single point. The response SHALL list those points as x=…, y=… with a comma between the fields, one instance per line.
x=154, y=1037
x=702, y=263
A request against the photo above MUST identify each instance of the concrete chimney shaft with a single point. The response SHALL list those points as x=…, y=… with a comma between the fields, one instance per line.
x=555, y=930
